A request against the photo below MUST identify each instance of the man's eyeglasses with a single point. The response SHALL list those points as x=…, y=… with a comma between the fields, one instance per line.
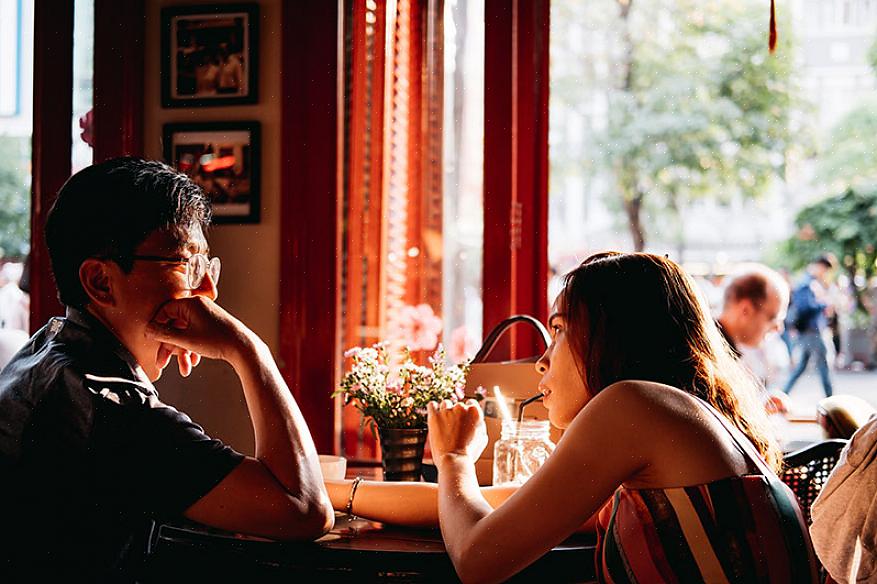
x=197, y=266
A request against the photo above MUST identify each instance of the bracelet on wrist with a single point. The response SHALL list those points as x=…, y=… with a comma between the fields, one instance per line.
x=353, y=487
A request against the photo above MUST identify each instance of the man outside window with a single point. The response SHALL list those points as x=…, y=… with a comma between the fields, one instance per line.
x=754, y=305
x=89, y=455
x=808, y=315
x=755, y=301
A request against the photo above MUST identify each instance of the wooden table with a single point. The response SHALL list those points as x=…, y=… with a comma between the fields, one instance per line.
x=355, y=551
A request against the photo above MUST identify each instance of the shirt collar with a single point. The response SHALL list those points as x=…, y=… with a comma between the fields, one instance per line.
x=101, y=335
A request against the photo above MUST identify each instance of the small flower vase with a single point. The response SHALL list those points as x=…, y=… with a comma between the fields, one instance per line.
x=402, y=453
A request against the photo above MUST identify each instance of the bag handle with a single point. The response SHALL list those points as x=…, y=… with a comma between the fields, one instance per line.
x=494, y=335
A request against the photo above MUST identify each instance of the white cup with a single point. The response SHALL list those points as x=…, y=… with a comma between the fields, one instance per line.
x=333, y=467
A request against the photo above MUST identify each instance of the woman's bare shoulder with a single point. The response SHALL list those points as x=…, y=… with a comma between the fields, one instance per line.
x=637, y=399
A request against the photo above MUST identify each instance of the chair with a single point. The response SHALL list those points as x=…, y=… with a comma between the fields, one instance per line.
x=841, y=415
x=806, y=470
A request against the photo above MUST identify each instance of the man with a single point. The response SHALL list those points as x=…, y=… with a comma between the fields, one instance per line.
x=808, y=315
x=755, y=301
x=89, y=455
x=754, y=305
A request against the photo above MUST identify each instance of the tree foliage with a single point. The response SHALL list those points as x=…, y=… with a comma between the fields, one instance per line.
x=851, y=153
x=14, y=197
x=845, y=225
x=702, y=110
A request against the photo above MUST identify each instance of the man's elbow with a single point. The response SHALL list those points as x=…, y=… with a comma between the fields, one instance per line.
x=307, y=522
x=320, y=518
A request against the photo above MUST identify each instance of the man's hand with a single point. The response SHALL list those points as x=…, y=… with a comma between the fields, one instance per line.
x=195, y=327
x=187, y=360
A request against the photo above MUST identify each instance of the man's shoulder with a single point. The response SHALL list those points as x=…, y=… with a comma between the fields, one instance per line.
x=61, y=361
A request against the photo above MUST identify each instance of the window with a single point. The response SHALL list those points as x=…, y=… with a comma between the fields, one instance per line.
x=673, y=130
x=463, y=159
x=83, y=84
x=412, y=164
x=16, y=123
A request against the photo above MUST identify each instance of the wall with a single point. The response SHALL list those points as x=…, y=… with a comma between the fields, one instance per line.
x=249, y=286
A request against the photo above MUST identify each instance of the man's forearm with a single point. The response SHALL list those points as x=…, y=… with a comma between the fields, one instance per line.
x=283, y=441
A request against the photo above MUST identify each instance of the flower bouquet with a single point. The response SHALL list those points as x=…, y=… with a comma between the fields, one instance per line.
x=393, y=399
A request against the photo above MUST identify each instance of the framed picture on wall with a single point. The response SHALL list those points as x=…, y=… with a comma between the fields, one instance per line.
x=222, y=158
x=209, y=55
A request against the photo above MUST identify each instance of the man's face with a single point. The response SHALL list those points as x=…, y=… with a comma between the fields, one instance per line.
x=149, y=285
x=763, y=318
x=822, y=272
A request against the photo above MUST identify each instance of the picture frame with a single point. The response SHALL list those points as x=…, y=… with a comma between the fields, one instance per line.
x=210, y=55
x=223, y=158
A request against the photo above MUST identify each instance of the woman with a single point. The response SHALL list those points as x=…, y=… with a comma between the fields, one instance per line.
x=657, y=413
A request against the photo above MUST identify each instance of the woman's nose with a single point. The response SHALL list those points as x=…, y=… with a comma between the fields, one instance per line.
x=542, y=364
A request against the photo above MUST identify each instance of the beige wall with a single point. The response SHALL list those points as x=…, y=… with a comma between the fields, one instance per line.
x=250, y=255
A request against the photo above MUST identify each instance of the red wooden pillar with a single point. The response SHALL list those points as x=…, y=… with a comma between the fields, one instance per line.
x=516, y=167
x=309, y=212
x=52, y=115
x=118, y=78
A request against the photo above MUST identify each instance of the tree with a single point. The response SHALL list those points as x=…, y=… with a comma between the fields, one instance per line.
x=14, y=197
x=701, y=109
x=851, y=154
x=845, y=225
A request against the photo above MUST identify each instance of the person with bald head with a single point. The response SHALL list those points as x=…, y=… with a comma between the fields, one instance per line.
x=755, y=304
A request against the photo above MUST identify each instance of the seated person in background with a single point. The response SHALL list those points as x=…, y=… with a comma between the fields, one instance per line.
x=89, y=454
x=659, y=417
x=755, y=302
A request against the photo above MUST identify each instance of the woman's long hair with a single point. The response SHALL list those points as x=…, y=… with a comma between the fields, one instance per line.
x=639, y=316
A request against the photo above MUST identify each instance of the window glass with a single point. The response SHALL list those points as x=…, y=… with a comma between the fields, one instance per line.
x=16, y=126
x=463, y=175
x=83, y=84
x=673, y=130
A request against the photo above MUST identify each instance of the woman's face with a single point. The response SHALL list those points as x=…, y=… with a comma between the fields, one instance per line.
x=562, y=383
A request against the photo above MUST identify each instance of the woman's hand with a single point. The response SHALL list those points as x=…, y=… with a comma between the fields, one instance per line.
x=456, y=430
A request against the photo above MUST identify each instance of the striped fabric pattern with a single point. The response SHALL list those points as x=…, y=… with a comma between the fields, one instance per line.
x=738, y=529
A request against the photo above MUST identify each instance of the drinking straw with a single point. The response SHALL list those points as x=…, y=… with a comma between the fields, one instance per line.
x=527, y=402
x=507, y=417
x=503, y=407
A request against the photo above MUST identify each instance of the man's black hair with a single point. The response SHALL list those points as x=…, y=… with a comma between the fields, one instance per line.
x=108, y=209
x=828, y=260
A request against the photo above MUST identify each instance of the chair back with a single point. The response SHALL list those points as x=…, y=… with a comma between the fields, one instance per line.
x=807, y=470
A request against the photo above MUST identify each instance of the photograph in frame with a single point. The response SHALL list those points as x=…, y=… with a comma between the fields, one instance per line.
x=209, y=55
x=223, y=159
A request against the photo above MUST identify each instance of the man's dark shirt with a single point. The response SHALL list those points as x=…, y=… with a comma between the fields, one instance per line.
x=806, y=313
x=89, y=457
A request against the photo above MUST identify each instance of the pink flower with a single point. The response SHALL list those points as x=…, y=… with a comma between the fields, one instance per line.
x=86, y=124
x=463, y=346
x=352, y=352
x=419, y=327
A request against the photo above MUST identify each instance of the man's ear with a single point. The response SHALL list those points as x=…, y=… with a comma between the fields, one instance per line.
x=747, y=307
x=96, y=279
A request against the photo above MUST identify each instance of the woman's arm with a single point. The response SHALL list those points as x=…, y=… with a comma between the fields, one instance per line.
x=601, y=449
x=406, y=504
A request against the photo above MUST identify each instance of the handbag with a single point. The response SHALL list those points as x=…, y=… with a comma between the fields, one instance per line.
x=517, y=380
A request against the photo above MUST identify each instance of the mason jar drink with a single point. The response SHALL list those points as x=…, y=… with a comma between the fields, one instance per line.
x=522, y=449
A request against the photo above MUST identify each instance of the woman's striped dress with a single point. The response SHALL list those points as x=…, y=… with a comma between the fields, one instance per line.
x=745, y=529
